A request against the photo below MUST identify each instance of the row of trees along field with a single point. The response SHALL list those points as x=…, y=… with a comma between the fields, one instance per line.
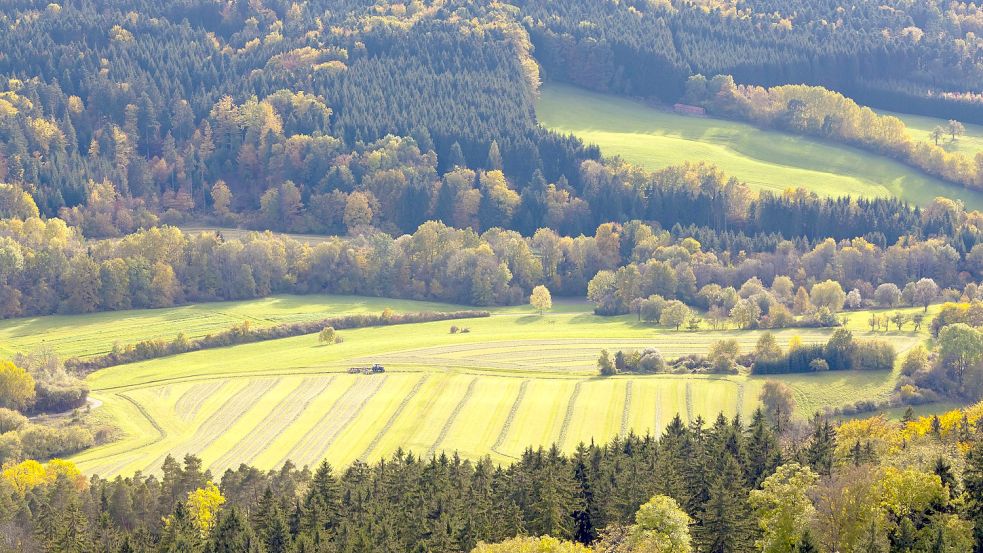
x=50, y=267
x=730, y=486
x=894, y=55
x=820, y=112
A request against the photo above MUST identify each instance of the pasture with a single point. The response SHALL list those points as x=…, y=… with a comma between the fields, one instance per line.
x=770, y=160
x=516, y=379
x=920, y=128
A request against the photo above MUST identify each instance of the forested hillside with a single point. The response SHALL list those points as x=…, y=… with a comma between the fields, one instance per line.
x=906, y=56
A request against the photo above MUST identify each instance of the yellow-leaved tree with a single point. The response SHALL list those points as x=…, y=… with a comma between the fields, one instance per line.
x=16, y=387
x=204, y=504
x=541, y=299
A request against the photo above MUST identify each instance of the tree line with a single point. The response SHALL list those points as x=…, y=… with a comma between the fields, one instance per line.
x=860, y=486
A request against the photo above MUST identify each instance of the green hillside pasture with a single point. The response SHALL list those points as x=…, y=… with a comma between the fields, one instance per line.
x=292, y=398
x=920, y=127
x=654, y=138
x=95, y=333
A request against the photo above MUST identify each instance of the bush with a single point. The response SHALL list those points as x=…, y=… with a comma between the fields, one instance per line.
x=454, y=329
x=818, y=365
x=11, y=420
x=44, y=442
x=55, y=397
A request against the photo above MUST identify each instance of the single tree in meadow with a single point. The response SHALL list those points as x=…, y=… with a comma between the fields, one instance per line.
x=937, y=133
x=327, y=335
x=674, y=314
x=779, y=403
x=955, y=128
x=541, y=299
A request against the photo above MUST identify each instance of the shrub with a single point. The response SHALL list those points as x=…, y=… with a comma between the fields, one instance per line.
x=10, y=420
x=818, y=365
x=44, y=442
x=54, y=397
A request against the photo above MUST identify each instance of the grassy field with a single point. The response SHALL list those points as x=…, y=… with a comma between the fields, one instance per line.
x=921, y=127
x=93, y=334
x=515, y=379
x=654, y=138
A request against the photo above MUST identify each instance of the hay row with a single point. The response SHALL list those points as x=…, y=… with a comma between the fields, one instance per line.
x=315, y=444
x=568, y=417
x=392, y=419
x=626, y=410
x=191, y=400
x=285, y=413
x=218, y=422
x=504, y=432
x=450, y=420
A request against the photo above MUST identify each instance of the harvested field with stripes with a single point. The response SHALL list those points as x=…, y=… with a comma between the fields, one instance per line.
x=513, y=381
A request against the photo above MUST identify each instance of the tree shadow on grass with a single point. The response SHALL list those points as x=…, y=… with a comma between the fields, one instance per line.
x=529, y=319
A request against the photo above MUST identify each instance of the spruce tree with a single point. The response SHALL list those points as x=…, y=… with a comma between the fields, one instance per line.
x=973, y=490
x=232, y=534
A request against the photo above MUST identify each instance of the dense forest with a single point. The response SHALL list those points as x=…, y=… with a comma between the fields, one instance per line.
x=728, y=486
x=921, y=56
x=275, y=114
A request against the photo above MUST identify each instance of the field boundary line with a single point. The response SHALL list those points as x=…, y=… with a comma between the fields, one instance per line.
x=568, y=416
x=392, y=418
x=347, y=418
x=276, y=424
x=453, y=416
x=161, y=436
x=626, y=410
x=507, y=425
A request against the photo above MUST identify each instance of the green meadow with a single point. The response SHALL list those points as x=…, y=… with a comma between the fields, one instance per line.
x=770, y=160
x=515, y=379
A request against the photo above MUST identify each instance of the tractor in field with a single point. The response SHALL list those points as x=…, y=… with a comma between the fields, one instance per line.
x=374, y=369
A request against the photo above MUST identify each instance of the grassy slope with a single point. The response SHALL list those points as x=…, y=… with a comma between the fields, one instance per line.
x=773, y=160
x=921, y=127
x=261, y=403
x=81, y=335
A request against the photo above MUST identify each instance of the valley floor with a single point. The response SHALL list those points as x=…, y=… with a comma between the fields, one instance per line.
x=514, y=380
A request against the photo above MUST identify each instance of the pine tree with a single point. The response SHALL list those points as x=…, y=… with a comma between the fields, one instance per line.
x=973, y=488
x=725, y=522
x=763, y=452
x=276, y=535
x=323, y=501
x=822, y=445
x=807, y=544
x=233, y=534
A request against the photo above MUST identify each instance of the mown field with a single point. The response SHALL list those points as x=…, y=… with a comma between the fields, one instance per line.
x=655, y=138
x=516, y=379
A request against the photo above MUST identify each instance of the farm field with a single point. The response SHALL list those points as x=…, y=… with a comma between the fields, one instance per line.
x=771, y=160
x=514, y=380
x=95, y=333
